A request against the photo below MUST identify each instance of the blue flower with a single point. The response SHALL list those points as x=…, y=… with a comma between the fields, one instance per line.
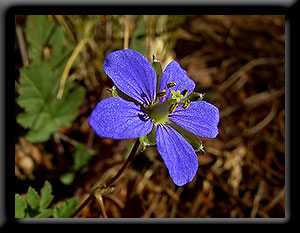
x=145, y=110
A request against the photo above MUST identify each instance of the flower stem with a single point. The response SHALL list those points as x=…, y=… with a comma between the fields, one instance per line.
x=85, y=203
x=101, y=205
x=112, y=180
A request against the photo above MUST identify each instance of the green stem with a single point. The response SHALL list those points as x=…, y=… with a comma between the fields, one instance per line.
x=112, y=180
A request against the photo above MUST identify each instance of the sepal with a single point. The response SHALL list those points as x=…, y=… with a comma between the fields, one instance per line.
x=190, y=137
x=156, y=64
x=194, y=96
x=116, y=92
x=149, y=139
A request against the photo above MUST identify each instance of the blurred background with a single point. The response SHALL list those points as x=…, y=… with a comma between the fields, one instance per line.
x=237, y=61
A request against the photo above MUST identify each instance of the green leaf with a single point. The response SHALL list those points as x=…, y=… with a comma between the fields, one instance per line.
x=67, y=178
x=38, y=30
x=60, y=52
x=46, y=195
x=81, y=157
x=45, y=213
x=32, y=198
x=44, y=113
x=65, y=211
x=39, y=83
x=41, y=134
x=45, y=35
x=20, y=206
x=138, y=39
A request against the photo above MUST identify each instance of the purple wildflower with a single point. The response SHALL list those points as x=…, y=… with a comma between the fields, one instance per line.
x=120, y=118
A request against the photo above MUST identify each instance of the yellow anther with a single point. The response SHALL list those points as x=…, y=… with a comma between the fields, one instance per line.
x=184, y=92
x=162, y=93
x=171, y=84
x=186, y=104
x=173, y=107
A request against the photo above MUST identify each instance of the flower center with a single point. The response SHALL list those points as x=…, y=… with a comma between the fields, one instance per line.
x=160, y=111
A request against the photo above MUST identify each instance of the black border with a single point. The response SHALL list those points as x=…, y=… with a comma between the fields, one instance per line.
x=290, y=14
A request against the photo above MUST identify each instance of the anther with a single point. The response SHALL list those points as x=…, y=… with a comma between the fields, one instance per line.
x=171, y=84
x=173, y=107
x=162, y=93
x=186, y=104
x=184, y=92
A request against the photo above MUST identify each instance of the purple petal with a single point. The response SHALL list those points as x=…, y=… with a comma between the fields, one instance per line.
x=119, y=119
x=178, y=155
x=174, y=73
x=200, y=117
x=132, y=73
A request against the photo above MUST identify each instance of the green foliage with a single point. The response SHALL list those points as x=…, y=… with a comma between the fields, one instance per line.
x=138, y=39
x=66, y=210
x=32, y=199
x=81, y=157
x=39, y=82
x=37, y=206
x=20, y=206
x=46, y=37
x=44, y=113
x=67, y=178
x=46, y=196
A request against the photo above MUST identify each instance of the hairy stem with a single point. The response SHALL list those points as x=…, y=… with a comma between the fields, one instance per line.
x=112, y=180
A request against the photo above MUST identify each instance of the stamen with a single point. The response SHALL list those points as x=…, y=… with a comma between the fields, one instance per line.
x=171, y=84
x=184, y=92
x=162, y=93
x=186, y=104
x=173, y=107
x=146, y=98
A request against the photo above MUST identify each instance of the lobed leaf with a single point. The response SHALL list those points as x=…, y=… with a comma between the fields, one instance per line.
x=47, y=41
x=20, y=206
x=45, y=213
x=32, y=198
x=81, y=157
x=46, y=196
x=65, y=211
x=44, y=113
